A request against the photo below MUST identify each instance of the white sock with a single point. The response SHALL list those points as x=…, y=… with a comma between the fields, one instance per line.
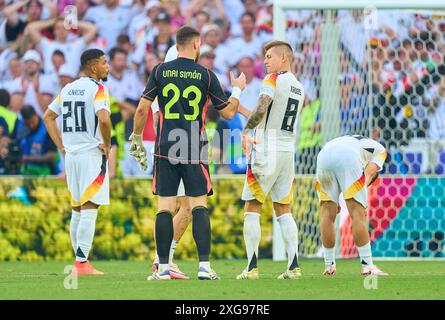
x=172, y=251
x=289, y=231
x=329, y=256
x=205, y=265
x=75, y=219
x=85, y=233
x=252, y=237
x=365, y=254
x=163, y=267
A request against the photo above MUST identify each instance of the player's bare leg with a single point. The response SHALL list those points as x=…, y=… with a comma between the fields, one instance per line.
x=289, y=232
x=164, y=236
x=329, y=211
x=83, y=239
x=252, y=237
x=361, y=237
x=202, y=235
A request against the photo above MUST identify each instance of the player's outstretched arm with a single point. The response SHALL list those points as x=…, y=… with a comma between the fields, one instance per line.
x=49, y=118
x=105, y=130
x=238, y=85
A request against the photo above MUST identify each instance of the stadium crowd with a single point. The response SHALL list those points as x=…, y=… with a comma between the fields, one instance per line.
x=41, y=43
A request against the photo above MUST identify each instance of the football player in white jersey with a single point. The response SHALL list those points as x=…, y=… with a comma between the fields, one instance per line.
x=85, y=141
x=271, y=160
x=348, y=165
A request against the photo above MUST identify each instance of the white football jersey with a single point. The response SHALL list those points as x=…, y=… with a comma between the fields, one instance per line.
x=78, y=103
x=367, y=149
x=277, y=130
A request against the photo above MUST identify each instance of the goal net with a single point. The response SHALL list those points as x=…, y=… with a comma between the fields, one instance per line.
x=376, y=69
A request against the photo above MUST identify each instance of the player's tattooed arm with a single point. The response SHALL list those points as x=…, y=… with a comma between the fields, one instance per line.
x=258, y=114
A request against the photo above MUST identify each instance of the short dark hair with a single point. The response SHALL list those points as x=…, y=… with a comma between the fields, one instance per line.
x=58, y=53
x=248, y=14
x=116, y=50
x=27, y=112
x=90, y=55
x=5, y=98
x=123, y=38
x=185, y=35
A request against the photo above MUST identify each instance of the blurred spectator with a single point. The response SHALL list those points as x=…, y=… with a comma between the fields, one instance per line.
x=71, y=48
x=265, y=22
x=8, y=131
x=248, y=45
x=13, y=71
x=125, y=86
x=164, y=39
x=33, y=11
x=122, y=82
x=174, y=11
x=214, y=8
x=111, y=20
x=150, y=61
x=39, y=151
x=58, y=59
x=123, y=42
x=160, y=42
x=251, y=6
x=250, y=94
x=207, y=59
x=66, y=75
x=143, y=22
x=437, y=116
x=200, y=19
x=28, y=88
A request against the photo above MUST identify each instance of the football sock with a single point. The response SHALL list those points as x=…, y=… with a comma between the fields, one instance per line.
x=163, y=267
x=205, y=265
x=329, y=256
x=85, y=233
x=172, y=250
x=290, y=235
x=252, y=237
x=75, y=219
x=163, y=235
x=201, y=232
x=365, y=254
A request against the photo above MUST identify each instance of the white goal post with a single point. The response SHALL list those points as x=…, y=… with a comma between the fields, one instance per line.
x=329, y=75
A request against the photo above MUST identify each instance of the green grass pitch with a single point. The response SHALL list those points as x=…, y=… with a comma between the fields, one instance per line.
x=127, y=280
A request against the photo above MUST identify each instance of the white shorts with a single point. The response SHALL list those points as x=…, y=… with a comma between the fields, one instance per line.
x=272, y=174
x=87, y=178
x=340, y=170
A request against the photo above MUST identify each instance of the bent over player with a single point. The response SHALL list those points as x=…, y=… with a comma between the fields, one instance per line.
x=271, y=165
x=85, y=140
x=184, y=89
x=348, y=164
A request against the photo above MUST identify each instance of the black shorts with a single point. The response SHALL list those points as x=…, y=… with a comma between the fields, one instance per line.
x=167, y=176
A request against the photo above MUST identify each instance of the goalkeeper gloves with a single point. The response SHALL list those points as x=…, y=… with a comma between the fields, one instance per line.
x=137, y=150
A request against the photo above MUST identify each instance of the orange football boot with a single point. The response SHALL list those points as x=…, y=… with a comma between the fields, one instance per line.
x=85, y=268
